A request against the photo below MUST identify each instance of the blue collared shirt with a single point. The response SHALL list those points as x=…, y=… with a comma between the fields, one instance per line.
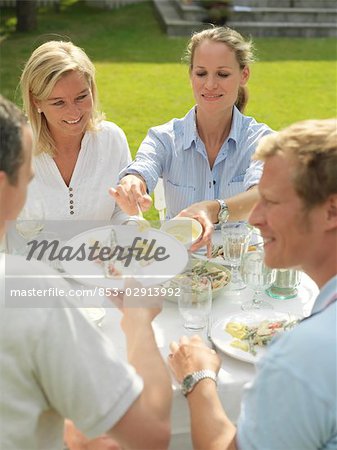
x=292, y=403
x=175, y=153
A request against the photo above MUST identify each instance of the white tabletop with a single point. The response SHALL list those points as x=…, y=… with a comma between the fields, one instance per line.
x=234, y=374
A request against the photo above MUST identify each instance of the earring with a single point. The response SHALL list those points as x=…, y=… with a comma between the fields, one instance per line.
x=39, y=110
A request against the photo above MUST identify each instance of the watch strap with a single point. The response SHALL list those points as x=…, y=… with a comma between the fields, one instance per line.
x=138, y=175
x=223, y=211
x=192, y=379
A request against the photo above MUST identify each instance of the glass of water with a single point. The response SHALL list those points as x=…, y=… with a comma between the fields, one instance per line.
x=286, y=284
x=195, y=301
x=258, y=277
x=235, y=240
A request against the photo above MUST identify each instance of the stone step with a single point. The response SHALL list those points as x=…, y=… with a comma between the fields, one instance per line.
x=310, y=23
x=285, y=29
x=287, y=3
x=171, y=21
x=190, y=12
x=291, y=15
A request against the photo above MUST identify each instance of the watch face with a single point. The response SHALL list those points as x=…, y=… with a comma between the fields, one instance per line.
x=223, y=213
x=188, y=383
x=223, y=216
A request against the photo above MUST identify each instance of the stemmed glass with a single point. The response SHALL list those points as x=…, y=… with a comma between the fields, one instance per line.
x=235, y=240
x=30, y=221
x=258, y=277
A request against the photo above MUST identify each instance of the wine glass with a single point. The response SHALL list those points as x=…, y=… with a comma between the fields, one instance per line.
x=235, y=240
x=30, y=221
x=258, y=277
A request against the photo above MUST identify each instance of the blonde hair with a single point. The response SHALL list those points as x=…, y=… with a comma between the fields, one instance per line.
x=243, y=49
x=45, y=67
x=312, y=145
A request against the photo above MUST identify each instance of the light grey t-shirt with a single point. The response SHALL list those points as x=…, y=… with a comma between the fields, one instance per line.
x=55, y=364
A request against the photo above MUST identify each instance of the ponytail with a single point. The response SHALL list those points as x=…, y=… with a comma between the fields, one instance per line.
x=242, y=99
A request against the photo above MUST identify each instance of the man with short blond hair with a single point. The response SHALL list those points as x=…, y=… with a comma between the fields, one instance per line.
x=292, y=403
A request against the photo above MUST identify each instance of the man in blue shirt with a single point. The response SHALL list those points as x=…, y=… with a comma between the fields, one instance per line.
x=292, y=402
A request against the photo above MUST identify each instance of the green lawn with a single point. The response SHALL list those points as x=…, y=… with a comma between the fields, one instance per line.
x=142, y=81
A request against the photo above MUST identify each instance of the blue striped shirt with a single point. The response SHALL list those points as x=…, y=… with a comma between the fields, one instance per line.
x=175, y=153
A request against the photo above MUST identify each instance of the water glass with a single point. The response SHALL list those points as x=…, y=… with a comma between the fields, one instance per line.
x=195, y=302
x=285, y=284
x=235, y=240
x=258, y=277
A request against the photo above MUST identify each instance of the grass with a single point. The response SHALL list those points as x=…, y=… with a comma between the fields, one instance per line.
x=142, y=82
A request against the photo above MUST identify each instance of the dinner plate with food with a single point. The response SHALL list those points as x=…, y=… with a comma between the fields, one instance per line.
x=219, y=275
x=106, y=256
x=216, y=252
x=246, y=335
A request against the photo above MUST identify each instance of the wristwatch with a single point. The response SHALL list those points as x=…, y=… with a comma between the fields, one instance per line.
x=193, y=378
x=223, y=211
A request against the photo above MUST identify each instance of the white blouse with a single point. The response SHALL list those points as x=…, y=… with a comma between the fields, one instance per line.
x=103, y=154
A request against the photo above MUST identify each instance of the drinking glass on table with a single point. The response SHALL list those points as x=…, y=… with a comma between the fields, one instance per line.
x=235, y=240
x=258, y=277
x=30, y=221
x=195, y=301
x=285, y=284
x=29, y=224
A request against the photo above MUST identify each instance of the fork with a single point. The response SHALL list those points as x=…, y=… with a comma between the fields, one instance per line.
x=208, y=331
x=143, y=223
x=139, y=209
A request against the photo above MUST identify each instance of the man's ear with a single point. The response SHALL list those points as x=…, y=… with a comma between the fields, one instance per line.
x=3, y=184
x=3, y=179
x=331, y=212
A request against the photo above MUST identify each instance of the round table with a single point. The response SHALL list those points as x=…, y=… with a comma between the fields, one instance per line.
x=233, y=375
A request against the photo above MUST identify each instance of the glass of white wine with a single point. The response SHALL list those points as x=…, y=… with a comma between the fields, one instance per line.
x=30, y=222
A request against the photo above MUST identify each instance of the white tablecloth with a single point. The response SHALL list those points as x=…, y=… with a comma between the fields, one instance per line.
x=233, y=374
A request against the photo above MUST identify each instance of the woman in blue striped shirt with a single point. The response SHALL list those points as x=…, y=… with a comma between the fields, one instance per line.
x=206, y=155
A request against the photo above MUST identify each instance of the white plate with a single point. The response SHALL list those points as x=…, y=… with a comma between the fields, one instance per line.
x=92, y=273
x=222, y=339
x=202, y=252
x=184, y=229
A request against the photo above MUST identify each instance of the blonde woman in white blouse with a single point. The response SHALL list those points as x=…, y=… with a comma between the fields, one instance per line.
x=78, y=155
